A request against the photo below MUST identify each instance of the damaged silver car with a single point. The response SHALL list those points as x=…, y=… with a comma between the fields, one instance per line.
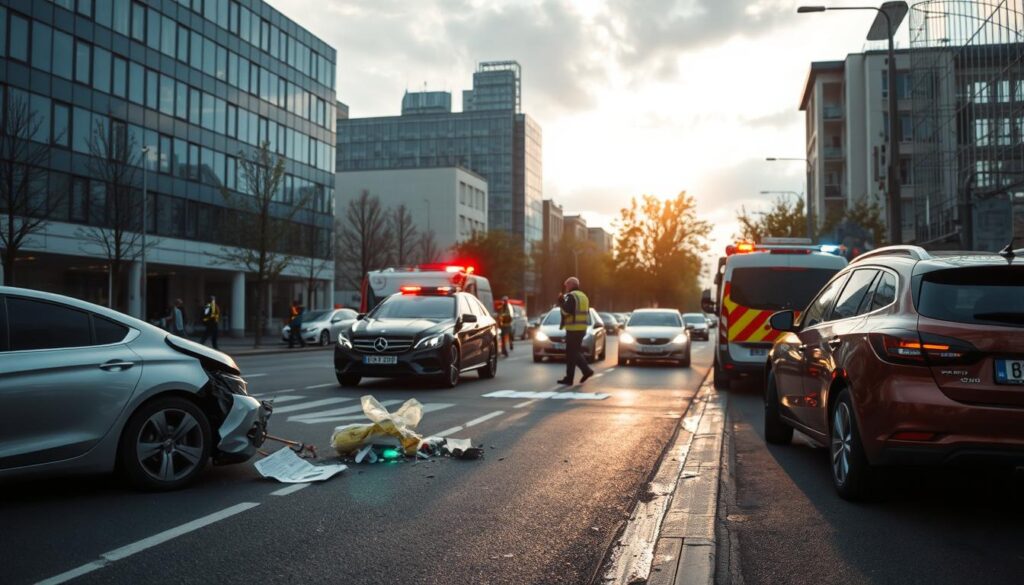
x=87, y=389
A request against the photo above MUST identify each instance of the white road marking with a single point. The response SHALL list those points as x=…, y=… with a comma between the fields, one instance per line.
x=314, y=404
x=290, y=398
x=321, y=385
x=272, y=393
x=609, y=370
x=254, y=375
x=527, y=403
x=149, y=542
x=485, y=417
x=290, y=489
x=447, y=432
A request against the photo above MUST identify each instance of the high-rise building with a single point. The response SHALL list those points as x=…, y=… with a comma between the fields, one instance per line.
x=196, y=84
x=491, y=137
x=552, y=225
x=575, y=227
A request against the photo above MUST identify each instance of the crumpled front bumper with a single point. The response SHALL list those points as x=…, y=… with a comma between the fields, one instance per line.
x=243, y=431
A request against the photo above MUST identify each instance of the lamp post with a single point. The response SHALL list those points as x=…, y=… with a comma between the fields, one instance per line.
x=888, y=19
x=145, y=210
x=809, y=204
x=776, y=192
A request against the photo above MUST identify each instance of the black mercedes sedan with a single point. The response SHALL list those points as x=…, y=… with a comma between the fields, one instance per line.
x=433, y=332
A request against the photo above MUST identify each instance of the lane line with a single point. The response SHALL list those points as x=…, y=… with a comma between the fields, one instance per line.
x=157, y=539
x=447, y=432
x=254, y=375
x=289, y=398
x=308, y=405
x=483, y=418
x=272, y=393
x=609, y=370
x=321, y=385
x=527, y=403
x=290, y=489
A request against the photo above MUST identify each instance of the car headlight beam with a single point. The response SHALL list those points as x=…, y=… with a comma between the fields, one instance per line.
x=541, y=336
x=681, y=338
x=429, y=342
x=626, y=338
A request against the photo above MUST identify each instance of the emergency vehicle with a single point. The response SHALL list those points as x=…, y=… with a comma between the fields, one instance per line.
x=752, y=282
x=380, y=284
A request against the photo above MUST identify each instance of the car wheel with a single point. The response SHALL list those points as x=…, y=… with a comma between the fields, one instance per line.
x=491, y=369
x=776, y=431
x=166, y=444
x=722, y=380
x=851, y=472
x=685, y=362
x=537, y=359
x=325, y=338
x=453, y=370
x=604, y=350
x=623, y=361
x=349, y=380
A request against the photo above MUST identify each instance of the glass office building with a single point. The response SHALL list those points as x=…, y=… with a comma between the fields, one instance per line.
x=197, y=82
x=491, y=137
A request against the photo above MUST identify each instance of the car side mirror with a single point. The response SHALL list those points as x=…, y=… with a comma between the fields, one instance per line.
x=783, y=321
x=469, y=318
x=361, y=316
x=706, y=302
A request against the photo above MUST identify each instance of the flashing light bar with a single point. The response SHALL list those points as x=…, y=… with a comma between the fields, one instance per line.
x=408, y=290
x=437, y=290
x=749, y=247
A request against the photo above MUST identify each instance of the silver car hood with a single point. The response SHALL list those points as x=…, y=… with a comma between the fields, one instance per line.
x=668, y=332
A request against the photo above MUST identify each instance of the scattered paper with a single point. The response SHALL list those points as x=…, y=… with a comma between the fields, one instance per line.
x=287, y=467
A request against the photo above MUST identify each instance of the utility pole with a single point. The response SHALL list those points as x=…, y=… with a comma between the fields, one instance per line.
x=145, y=215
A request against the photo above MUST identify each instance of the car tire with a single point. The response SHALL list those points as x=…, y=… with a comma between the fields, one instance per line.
x=776, y=431
x=349, y=380
x=490, y=370
x=453, y=369
x=722, y=380
x=851, y=472
x=325, y=338
x=685, y=362
x=537, y=359
x=156, y=454
x=604, y=352
x=623, y=361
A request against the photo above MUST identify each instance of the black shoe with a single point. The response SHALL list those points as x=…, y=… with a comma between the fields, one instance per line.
x=565, y=382
x=586, y=377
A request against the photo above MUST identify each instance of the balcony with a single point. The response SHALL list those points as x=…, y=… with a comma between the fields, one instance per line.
x=832, y=112
x=833, y=152
x=834, y=191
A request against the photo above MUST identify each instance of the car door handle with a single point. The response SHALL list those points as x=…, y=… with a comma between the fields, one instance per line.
x=835, y=342
x=114, y=365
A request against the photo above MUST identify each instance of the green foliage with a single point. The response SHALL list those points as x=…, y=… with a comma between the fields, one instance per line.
x=862, y=221
x=786, y=218
x=499, y=256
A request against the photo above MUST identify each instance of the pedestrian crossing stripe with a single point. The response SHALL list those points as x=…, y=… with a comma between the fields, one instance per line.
x=354, y=413
x=547, y=395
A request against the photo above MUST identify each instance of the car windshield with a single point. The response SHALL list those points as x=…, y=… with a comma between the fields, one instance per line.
x=655, y=319
x=607, y=317
x=777, y=288
x=416, y=307
x=554, y=317
x=314, y=315
x=991, y=295
x=695, y=319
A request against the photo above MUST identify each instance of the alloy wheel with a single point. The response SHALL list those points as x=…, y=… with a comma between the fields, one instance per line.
x=325, y=338
x=170, y=445
x=842, y=437
x=453, y=366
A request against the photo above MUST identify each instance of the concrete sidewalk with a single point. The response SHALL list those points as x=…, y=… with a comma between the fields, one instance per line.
x=670, y=536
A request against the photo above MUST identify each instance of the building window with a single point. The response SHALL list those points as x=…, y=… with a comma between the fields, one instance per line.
x=138, y=22
x=982, y=132
x=19, y=38
x=168, y=36
x=167, y=95
x=41, y=39
x=82, y=133
x=181, y=100
x=61, y=125
x=152, y=89
x=120, y=88
x=63, y=54
x=101, y=70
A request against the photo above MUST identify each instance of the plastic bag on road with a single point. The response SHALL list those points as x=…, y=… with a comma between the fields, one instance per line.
x=399, y=425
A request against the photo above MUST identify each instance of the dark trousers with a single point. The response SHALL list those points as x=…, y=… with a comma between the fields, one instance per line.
x=506, y=339
x=210, y=333
x=296, y=337
x=574, y=354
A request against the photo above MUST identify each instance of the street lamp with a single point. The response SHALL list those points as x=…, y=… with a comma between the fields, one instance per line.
x=145, y=208
x=776, y=192
x=809, y=207
x=888, y=19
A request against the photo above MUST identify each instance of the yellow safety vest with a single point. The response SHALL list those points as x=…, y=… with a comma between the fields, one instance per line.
x=577, y=321
x=214, y=315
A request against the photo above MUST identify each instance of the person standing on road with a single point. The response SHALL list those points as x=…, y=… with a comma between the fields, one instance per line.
x=504, y=319
x=575, y=308
x=295, y=334
x=211, y=318
x=177, y=318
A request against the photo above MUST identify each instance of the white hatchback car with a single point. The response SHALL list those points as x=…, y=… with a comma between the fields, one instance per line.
x=655, y=334
x=322, y=327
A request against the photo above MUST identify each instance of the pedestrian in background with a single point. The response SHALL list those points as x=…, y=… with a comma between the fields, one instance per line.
x=504, y=318
x=575, y=307
x=177, y=318
x=295, y=334
x=211, y=319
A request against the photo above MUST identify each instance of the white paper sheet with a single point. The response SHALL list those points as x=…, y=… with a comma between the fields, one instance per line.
x=287, y=467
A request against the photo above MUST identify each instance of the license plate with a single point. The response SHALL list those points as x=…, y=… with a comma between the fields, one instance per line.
x=380, y=359
x=1010, y=372
x=759, y=352
x=558, y=346
x=650, y=349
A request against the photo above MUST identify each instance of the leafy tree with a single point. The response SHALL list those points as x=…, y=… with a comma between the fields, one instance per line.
x=364, y=241
x=860, y=226
x=786, y=218
x=497, y=254
x=25, y=205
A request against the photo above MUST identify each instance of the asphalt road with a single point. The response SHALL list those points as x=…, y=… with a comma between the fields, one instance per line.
x=785, y=524
x=557, y=482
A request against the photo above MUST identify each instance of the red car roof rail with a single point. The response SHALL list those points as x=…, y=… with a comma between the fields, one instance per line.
x=912, y=252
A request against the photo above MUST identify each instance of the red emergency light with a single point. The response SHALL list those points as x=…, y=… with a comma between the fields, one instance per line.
x=410, y=290
x=739, y=248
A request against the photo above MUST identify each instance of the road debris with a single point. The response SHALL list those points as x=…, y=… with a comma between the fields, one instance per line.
x=286, y=466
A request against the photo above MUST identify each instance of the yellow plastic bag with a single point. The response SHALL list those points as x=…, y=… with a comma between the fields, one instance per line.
x=400, y=425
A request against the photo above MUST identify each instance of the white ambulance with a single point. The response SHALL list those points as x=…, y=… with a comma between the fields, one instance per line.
x=380, y=284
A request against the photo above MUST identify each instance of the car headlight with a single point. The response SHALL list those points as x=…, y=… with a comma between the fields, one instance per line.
x=344, y=341
x=541, y=336
x=432, y=341
x=309, y=329
x=681, y=338
x=626, y=338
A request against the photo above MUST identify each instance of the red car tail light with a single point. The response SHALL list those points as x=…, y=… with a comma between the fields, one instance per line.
x=925, y=349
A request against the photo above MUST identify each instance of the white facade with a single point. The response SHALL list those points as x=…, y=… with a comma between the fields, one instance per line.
x=449, y=201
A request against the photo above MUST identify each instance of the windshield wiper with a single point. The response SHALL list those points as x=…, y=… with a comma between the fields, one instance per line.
x=1015, y=317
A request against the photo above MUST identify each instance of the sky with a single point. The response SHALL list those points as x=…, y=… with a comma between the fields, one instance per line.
x=633, y=96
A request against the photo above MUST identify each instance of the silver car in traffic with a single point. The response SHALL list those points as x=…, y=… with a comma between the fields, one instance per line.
x=655, y=335
x=549, y=339
x=322, y=327
x=84, y=388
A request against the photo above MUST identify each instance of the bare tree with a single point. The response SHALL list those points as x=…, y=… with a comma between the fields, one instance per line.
x=25, y=204
x=313, y=265
x=364, y=242
x=405, y=233
x=426, y=248
x=261, y=225
x=115, y=203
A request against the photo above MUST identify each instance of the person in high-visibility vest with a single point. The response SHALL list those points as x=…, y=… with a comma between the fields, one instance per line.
x=575, y=308
x=211, y=318
x=295, y=323
x=504, y=318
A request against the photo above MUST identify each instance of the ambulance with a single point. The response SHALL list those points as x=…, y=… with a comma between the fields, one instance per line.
x=752, y=282
x=380, y=284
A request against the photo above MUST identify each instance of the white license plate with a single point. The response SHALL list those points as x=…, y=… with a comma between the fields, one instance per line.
x=558, y=346
x=650, y=349
x=758, y=352
x=1009, y=371
x=380, y=359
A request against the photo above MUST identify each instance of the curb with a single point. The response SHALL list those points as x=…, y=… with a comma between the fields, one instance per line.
x=670, y=536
